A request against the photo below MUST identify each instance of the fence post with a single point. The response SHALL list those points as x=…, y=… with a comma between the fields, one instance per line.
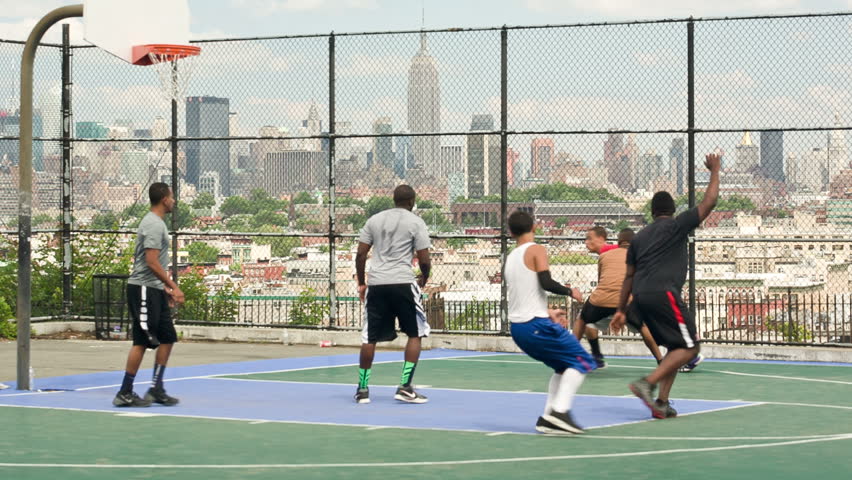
x=504, y=177
x=175, y=177
x=690, y=142
x=332, y=251
x=66, y=172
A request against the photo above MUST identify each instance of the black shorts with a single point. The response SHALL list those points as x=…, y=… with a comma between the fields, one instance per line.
x=600, y=317
x=386, y=303
x=150, y=312
x=670, y=322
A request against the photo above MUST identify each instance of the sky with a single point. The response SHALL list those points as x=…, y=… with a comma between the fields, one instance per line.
x=757, y=74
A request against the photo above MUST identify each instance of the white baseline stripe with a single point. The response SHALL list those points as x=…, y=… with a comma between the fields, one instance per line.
x=780, y=377
x=643, y=453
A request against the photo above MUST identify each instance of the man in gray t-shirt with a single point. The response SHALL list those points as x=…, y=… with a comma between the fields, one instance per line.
x=392, y=292
x=150, y=294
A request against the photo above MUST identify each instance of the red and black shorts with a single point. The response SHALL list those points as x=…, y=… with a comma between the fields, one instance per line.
x=668, y=319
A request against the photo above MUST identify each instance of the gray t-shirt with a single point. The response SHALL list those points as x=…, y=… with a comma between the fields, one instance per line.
x=395, y=235
x=152, y=234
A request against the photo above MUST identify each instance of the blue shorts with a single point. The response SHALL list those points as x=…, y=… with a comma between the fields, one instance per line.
x=553, y=345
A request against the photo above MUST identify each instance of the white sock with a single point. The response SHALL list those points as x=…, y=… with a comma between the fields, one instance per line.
x=568, y=386
x=552, y=388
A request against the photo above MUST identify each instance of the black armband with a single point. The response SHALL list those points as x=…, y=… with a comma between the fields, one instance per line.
x=551, y=285
x=425, y=268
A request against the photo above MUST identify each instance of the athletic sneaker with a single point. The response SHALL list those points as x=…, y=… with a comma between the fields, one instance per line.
x=600, y=362
x=3, y=386
x=130, y=399
x=692, y=364
x=159, y=395
x=563, y=422
x=362, y=395
x=645, y=391
x=544, y=426
x=408, y=395
x=670, y=412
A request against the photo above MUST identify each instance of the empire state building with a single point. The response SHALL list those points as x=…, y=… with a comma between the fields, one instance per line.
x=424, y=109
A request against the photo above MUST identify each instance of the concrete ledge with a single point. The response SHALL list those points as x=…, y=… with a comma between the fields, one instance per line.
x=477, y=342
x=50, y=328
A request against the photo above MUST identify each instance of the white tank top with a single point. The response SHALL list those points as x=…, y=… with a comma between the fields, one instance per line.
x=527, y=299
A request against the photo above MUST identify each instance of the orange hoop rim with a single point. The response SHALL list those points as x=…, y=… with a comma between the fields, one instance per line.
x=142, y=53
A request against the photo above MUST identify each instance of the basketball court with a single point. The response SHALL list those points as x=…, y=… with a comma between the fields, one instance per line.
x=295, y=417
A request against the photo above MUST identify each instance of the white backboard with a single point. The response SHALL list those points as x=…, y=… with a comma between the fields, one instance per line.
x=118, y=25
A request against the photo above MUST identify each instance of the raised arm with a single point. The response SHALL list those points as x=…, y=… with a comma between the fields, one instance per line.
x=713, y=162
x=542, y=268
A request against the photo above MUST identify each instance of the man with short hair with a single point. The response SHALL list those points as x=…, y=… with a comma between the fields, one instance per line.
x=657, y=263
x=150, y=294
x=538, y=330
x=601, y=304
x=395, y=236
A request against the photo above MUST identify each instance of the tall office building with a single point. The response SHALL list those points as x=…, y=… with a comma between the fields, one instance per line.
x=772, y=155
x=208, y=117
x=483, y=159
x=424, y=107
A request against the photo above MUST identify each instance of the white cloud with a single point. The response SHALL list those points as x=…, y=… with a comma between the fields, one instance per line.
x=30, y=8
x=663, y=8
x=20, y=30
x=655, y=58
x=361, y=65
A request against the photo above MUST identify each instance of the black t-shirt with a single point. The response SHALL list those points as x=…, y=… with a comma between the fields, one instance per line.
x=659, y=253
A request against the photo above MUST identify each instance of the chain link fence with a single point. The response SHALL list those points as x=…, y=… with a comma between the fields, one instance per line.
x=285, y=146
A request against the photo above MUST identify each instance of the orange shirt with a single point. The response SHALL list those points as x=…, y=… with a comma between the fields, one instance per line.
x=612, y=266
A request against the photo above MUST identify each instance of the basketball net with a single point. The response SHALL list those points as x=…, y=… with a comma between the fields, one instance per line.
x=174, y=73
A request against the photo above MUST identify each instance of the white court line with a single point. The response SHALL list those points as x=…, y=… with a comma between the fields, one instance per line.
x=648, y=367
x=642, y=453
x=780, y=377
x=633, y=422
x=216, y=375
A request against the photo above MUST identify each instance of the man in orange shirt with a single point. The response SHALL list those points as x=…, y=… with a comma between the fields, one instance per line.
x=602, y=304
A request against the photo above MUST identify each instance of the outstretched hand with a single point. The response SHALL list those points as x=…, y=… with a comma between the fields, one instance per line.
x=617, y=323
x=713, y=162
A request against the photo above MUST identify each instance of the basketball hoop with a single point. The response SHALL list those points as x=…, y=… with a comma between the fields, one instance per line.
x=164, y=59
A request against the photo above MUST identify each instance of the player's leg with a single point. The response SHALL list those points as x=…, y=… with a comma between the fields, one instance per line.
x=650, y=343
x=160, y=312
x=126, y=397
x=378, y=327
x=408, y=308
x=671, y=325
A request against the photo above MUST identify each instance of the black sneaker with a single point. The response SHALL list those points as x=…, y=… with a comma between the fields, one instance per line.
x=159, y=395
x=666, y=407
x=362, y=395
x=543, y=426
x=645, y=391
x=408, y=395
x=563, y=422
x=130, y=399
x=600, y=362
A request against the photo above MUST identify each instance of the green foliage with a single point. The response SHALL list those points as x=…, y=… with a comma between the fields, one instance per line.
x=44, y=219
x=621, y=225
x=105, y=221
x=554, y=192
x=790, y=331
x=436, y=220
x=203, y=201
x=357, y=221
x=200, y=252
x=235, y=206
x=302, y=198
x=308, y=309
x=225, y=304
x=184, y=218
x=221, y=307
x=457, y=243
x=572, y=259
x=561, y=221
x=473, y=317
x=281, y=246
x=377, y=204
x=268, y=217
x=7, y=329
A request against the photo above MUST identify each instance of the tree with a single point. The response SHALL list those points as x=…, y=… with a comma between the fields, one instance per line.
x=184, y=217
x=235, y=206
x=457, y=243
x=572, y=259
x=357, y=221
x=281, y=246
x=200, y=252
x=377, y=204
x=268, y=217
x=621, y=225
x=260, y=201
x=308, y=309
x=436, y=220
x=561, y=221
x=105, y=221
x=204, y=201
x=303, y=197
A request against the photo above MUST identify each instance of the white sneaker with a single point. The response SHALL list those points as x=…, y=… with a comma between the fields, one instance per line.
x=3, y=386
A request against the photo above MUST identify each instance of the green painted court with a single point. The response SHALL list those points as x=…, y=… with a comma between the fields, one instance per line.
x=295, y=419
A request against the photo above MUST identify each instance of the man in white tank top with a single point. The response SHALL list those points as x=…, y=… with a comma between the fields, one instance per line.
x=537, y=330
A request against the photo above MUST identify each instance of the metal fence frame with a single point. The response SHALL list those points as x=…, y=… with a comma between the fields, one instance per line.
x=67, y=231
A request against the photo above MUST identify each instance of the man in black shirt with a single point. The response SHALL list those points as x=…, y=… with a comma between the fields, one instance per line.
x=657, y=262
